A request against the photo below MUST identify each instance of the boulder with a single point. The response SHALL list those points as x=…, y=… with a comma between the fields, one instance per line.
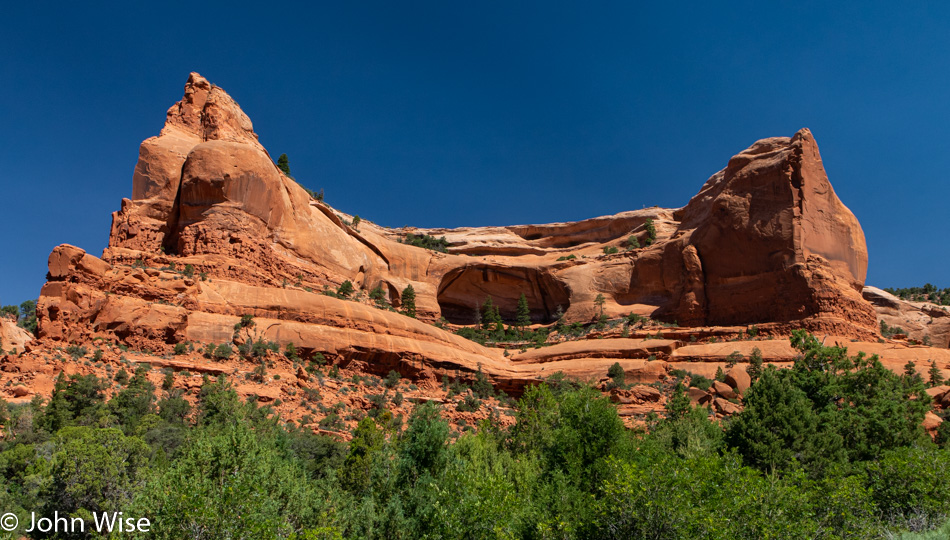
x=738, y=379
x=724, y=390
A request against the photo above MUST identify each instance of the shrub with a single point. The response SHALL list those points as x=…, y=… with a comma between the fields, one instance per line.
x=260, y=372
x=392, y=379
x=754, y=368
x=632, y=243
x=291, y=352
x=469, y=403
x=616, y=373
x=345, y=289
x=427, y=242
x=223, y=351
x=181, y=348
x=481, y=385
x=570, y=257
x=610, y=250
x=76, y=352
x=651, y=231
x=378, y=296
x=698, y=381
x=169, y=380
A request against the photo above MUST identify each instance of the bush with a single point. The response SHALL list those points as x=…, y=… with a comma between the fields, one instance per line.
x=345, y=289
x=181, y=348
x=651, y=231
x=698, y=381
x=617, y=373
x=610, y=250
x=76, y=352
x=223, y=351
x=427, y=242
x=392, y=379
x=469, y=403
x=828, y=409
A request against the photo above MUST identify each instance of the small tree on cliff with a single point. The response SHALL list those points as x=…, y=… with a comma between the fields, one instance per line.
x=284, y=164
x=409, y=301
x=523, y=314
x=936, y=378
x=651, y=232
x=600, y=301
x=491, y=317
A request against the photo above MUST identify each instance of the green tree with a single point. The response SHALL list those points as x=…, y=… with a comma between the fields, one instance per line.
x=231, y=482
x=678, y=405
x=12, y=311
x=378, y=296
x=219, y=403
x=422, y=448
x=79, y=400
x=356, y=222
x=365, y=447
x=135, y=401
x=599, y=301
x=827, y=409
x=345, y=289
x=284, y=164
x=651, y=231
x=491, y=316
x=522, y=314
x=617, y=373
x=777, y=425
x=754, y=369
x=95, y=470
x=408, y=299
x=28, y=316
x=632, y=242
x=935, y=376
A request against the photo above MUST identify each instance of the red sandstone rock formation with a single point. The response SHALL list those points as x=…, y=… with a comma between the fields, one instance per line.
x=765, y=241
x=923, y=322
x=214, y=231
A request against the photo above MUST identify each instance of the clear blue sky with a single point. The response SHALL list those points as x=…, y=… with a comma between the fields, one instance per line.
x=436, y=114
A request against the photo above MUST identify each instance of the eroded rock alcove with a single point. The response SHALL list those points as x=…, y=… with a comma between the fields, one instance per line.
x=463, y=290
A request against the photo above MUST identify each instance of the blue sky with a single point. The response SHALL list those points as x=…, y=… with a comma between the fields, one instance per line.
x=436, y=114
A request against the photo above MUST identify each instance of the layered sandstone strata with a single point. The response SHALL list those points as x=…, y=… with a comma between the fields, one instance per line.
x=766, y=242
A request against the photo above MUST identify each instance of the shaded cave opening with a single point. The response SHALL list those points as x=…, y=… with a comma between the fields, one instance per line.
x=463, y=291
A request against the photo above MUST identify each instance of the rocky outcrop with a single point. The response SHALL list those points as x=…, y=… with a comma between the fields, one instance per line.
x=214, y=230
x=12, y=337
x=923, y=322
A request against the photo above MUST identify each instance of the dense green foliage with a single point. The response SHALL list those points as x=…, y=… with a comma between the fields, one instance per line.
x=427, y=242
x=927, y=293
x=831, y=448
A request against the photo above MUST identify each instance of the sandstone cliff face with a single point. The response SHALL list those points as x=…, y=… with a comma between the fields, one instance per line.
x=765, y=241
x=924, y=322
